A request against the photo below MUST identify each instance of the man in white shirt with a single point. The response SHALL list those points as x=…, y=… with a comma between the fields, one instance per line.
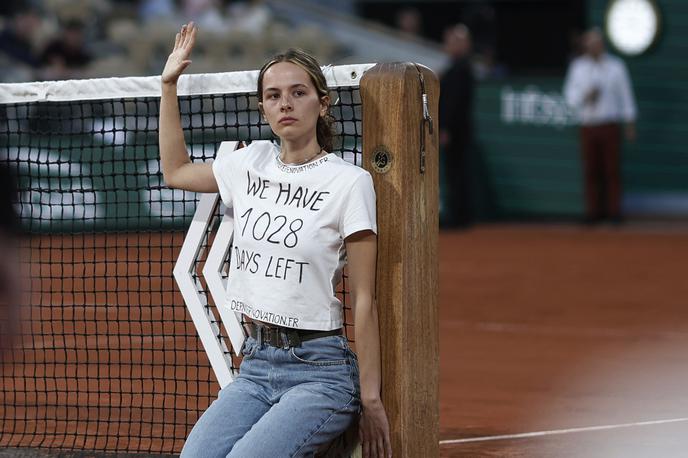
x=598, y=86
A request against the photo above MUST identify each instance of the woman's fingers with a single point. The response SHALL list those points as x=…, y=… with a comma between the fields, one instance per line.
x=385, y=444
x=380, y=447
x=375, y=448
x=182, y=35
x=185, y=39
x=192, y=37
x=188, y=32
x=178, y=59
x=365, y=446
x=183, y=32
x=374, y=435
x=362, y=437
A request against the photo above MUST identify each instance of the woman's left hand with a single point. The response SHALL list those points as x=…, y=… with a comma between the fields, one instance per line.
x=373, y=430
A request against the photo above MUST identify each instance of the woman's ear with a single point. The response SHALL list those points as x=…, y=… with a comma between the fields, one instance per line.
x=324, y=104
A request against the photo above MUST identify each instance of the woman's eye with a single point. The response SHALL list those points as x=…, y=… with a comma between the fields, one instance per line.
x=299, y=93
x=273, y=96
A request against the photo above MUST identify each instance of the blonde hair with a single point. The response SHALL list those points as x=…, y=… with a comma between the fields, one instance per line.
x=308, y=63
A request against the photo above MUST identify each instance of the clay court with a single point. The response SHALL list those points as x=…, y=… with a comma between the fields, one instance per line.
x=551, y=328
x=556, y=340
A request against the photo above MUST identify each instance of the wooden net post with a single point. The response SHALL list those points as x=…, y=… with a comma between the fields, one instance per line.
x=400, y=149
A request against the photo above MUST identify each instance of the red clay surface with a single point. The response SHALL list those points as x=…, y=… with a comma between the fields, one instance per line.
x=554, y=328
x=542, y=328
x=110, y=359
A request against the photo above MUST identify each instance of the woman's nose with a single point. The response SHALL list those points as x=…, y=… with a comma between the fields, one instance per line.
x=286, y=104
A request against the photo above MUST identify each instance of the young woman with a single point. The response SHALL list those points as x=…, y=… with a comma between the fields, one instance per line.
x=300, y=214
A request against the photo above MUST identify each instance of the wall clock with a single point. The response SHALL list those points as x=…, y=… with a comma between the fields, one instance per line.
x=632, y=26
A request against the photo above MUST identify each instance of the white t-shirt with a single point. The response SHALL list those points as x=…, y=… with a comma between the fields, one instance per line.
x=290, y=223
x=615, y=102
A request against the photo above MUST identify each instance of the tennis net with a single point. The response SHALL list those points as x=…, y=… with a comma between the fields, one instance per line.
x=109, y=359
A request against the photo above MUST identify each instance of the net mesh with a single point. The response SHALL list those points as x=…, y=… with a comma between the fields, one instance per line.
x=109, y=359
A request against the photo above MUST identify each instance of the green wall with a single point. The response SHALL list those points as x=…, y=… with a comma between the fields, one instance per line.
x=526, y=160
x=525, y=157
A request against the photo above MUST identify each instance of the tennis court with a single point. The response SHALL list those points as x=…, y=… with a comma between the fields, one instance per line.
x=556, y=340
x=560, y=340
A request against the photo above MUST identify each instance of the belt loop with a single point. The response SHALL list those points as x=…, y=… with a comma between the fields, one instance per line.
x=294, y=338
x=259, y=335
x=285, y=339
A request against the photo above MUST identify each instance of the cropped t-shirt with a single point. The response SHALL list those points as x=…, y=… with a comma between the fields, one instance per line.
x=290, y=223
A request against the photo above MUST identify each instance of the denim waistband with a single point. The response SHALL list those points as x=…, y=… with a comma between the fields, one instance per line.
x=279, y=336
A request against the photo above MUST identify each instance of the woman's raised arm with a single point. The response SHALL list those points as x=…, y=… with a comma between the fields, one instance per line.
x=177, y=169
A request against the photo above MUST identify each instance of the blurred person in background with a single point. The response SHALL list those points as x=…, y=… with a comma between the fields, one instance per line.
x=17, y=45
x=9, y=263
x=598, y=86
x=410, y=21
x=156, y=10
x=250, y=16
x=456, y=123
x=205, y=13
x=486, y=67
x=66, y=56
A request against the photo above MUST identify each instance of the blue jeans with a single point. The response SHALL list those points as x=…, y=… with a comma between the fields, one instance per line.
x=284, y=403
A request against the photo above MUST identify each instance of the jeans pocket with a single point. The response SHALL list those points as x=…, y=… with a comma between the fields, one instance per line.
x=323, y=353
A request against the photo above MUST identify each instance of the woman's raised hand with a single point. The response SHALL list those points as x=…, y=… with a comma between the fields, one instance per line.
x=179, y=58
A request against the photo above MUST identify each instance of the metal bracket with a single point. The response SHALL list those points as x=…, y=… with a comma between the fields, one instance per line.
x=427, y=119
x=207, y=325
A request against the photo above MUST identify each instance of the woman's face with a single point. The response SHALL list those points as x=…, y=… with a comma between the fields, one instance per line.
x=291, y=103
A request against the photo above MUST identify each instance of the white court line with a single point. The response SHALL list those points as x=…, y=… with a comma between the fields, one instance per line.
x=560, y=431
